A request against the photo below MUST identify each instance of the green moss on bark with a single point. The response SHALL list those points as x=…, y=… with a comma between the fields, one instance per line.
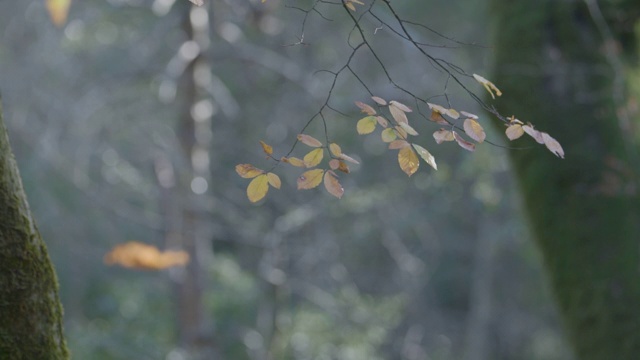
x=550, y=65
x=30, y=310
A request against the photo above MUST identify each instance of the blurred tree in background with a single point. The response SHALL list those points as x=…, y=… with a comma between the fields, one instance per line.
x=127, y=124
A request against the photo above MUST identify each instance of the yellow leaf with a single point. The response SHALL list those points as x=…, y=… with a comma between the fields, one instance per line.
x=274, y=180
x=452, y=113
x=248, y=171
x=258, y=188
x=335, y=149
x=406, y=127
x=367, y=109
x=443, y=135
x=310, y=179
x=553, y=145
x=408, y=160
x=398, y=114
x=388, y=135
x=474, y=130
x=314, y=157
x=309, y=140
x=332, y=184
x=463, y=143
x=514, y=131
x=438, y=118
x=137, y=255
x=366, y=125
x=488, y=85
x=379, y=100
x=58, y=11
x=266, y=148
x=426, y=155
x=398, y=144
x=293, y=161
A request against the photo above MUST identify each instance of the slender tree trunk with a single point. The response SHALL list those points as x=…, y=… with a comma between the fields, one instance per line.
x=558, y=71
x=30, y=310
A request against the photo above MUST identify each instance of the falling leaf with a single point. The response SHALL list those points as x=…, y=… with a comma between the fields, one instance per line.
x=443, y=135
x=137, y=255
x=293, y=161
x=367, y=109
x=382, y=121
x=388, y=135
x=366, y=125
x=463, y=143
x=474, y=130
x=309, y=140
x=553, y=145
x=379, y=100
x=438, y=118
x=400, y=106
x=398, y=114
x=332, y=184
x=310, y=179
x=406, y=127
x=349, y=159
x=58, y=11
x=408, y=160
x=201, y=2
x=248, y=171
x=313, y=158
x=535, y=134
x=334, y=164
x=488, y=85
x=514, y=131
x=398, y=144
x=268, y=149
x=426, y=156
x=335, y=149
x=258, y=188
x=274, y=180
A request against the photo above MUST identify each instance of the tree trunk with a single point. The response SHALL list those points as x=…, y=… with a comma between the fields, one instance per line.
x=30, y=310
x=552, y=64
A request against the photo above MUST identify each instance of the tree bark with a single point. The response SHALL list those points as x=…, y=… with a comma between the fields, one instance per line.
x=30, y=310
x=552, y=64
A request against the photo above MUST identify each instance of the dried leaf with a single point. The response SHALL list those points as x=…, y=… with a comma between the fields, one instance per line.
x=553, y=145
x=535, y=134
x=309, y=140
x=314, y=157
x=268, y=149
x=332, y=184
x=398, y=114
x=274, y=180
x=366, y=108
x=379, y=100
x=469, y=115
x=400, y=106
x=443, y=135
x=58, y=11
x=137, y=255
x=514, y=131
x=334, y=164
x=463, y=143
x=474, y=130
x=438, y=118
x=406, y=127
x=349, y=159
x=398, y=144
x=442, y=110
x=426, y=155
x=258, y=188
x=400, y=131
x=388, y=135
x=293, y=161
x=408, y=160
x=488, y=85
x=366, y=125
x=382, y=121
x=344, y=167
x=310, y=179
x=335, y=149
x=248, y=171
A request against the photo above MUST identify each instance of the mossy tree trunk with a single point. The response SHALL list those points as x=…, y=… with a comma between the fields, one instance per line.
x=30, y=310
x=550, y=61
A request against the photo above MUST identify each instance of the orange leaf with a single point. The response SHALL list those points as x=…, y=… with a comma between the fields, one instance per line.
x=408, y=160
x=474, y=130
x=136, y=255
x=314, y=157
x=398, y=144
x=248, y=171
x=332, y=184
x=379, y=100
x=463, y=143
x=309, y=140
x=310, y=179
x=366, y=125
x=335, y=149
x=514, y=131
x=266, y=148
x=258, y=188
x=274, y=180
x=443, y=135
x=553, y=145
x=426, y=156
x=365, y=108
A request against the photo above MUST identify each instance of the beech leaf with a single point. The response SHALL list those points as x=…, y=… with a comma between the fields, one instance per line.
x=310, y=179
x=379, y=100
x=274, y=180
x=398, y=114
x=438, y=118
x=313, y=158
x=332, y=184
x=382, y=121
x=400, y=106
x=309, y=140
x=268, y=149
x=514, y=131
x=398, y=144
x=406, y=127
x=426, y=156
x=248, y=171
x=474, y=130
x=443, y=135
x=293, y=161
x=488, y=85
x=342, y=166
x=258, y=188
x=535, y=134
x=335, y=149
x=463, y=143
x=366, y=125
x=400, y=131
x=367, y=109
x=388, y=135
x=349, y=159
x=469, y=115
x=408, y=160
x=334, y=164
x=553, y=145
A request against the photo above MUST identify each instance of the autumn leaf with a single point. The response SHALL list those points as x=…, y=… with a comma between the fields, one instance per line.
x=400, y=106
x=58, y=11
x=514, y=131
x=334, y=164
x=379, y=100
x=309, y=140
x=406, y=127
x=408, y=160
x=313, y=158
x=367, y=109
x=137, y=255
x=443, y=135
x=248, y=171
x=366, y=125
x=332, y=184
x=382, y=121
x=310, y=179
x=388, y=135
x=553, y=145
x=293, y=161
x=425, y=155
x=335, y=149
x=398, y=144
x=488, y=85
x=398, y=114
x=258, y=188
x=349, y=159
x=442, y=110
x=342, y=166
x=274, y=180
x=474, y=130
x=266, y=148
x=463, y=143
x=535, y=134
x=400, y=131
x=469, y=115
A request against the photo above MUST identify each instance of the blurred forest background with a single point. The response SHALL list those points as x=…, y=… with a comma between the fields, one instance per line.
x=127, y=123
